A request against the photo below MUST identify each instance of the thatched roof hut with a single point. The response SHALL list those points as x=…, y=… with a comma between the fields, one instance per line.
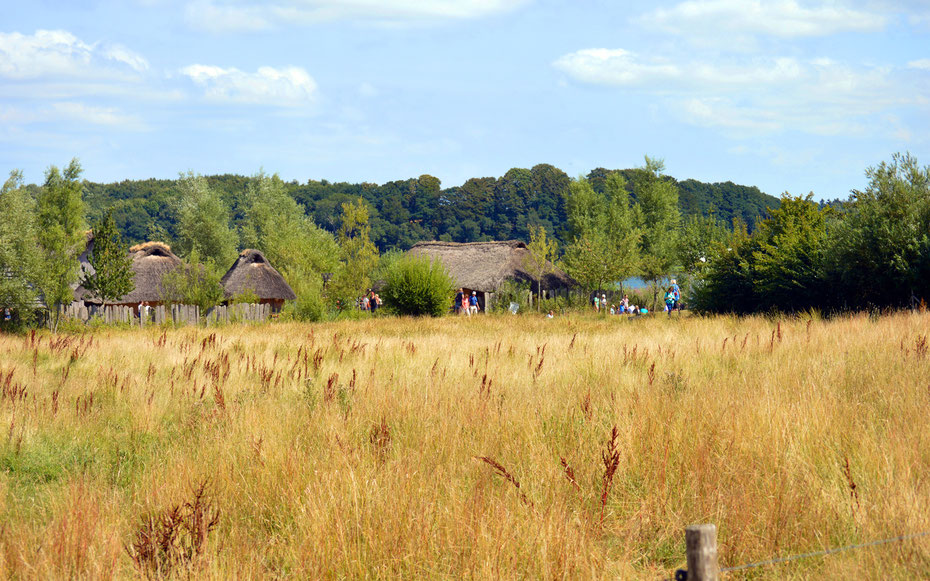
x=150, y=262
x=484, y=266
x=253, y=272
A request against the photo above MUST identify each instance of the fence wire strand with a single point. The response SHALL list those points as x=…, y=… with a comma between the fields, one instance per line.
x=779, y=560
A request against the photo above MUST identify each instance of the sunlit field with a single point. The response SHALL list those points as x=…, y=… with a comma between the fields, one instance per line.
x=495, y=447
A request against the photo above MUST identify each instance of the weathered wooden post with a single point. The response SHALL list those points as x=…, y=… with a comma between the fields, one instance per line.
x=701, y=547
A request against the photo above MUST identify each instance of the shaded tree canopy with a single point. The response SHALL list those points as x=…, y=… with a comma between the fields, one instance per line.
x=404, y=212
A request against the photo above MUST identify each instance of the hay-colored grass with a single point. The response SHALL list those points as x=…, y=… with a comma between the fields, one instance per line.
x=353, y=449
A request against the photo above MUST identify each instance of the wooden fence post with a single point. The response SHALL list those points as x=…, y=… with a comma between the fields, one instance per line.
x=701, y=547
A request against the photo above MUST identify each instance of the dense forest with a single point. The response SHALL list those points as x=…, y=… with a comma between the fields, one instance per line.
x=404, y=212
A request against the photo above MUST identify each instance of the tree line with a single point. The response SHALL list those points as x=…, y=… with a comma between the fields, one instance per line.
x=871, y=250
x=404, y=212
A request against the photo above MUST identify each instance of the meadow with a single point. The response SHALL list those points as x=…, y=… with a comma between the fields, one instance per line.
x=496, y=447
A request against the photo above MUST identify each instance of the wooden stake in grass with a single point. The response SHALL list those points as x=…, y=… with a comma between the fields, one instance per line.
x=611, y=458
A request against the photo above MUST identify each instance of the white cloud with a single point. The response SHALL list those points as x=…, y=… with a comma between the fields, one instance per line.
x=623, y=68
x=95, y=115
x=288, y=86
x=919, y=64
x=238, y=15
x=783, y=18
x=749, y=94
x=59, y=53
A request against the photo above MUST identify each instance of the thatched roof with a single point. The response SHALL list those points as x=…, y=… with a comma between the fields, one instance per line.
x=252, y=271
x=150, y=262
x=484, y=266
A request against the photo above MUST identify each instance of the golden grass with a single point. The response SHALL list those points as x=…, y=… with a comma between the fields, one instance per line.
x=469, y=448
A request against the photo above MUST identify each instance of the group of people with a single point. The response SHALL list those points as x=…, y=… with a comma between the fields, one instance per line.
x=370, y=302
x=466, y=304
x=624, y=307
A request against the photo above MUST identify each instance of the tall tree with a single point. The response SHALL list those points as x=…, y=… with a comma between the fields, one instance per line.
x=20, y=258
x=623, y=229
x=657, y=197
x=112, y=276
x=880, y=251
x=359, y=254
x=696, y=236
x=61, y=236
x=603, y=233
x=543, y=251
x=303, y=252
x=203, y=222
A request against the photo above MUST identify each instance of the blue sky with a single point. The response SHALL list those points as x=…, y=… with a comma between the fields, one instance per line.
x=786, y=95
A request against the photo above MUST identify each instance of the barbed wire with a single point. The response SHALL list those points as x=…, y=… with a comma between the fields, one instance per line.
x=779, y=560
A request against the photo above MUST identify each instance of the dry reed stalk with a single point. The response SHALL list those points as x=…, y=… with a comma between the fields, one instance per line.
x=853, y=492
x=175, y=536
x=586, y=408
x=380, y=438
x=569, y=473
x=329, y=392
x=501, y=471
x=611, y=458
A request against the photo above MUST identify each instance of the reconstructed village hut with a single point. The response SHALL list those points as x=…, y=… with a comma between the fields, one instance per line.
x=150, y=262
x=252, y=272
x=484, y=266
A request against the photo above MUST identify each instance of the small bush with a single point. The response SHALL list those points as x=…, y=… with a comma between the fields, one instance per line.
x=416, y=286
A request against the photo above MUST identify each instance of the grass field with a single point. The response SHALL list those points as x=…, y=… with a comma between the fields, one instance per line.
x=489, y=448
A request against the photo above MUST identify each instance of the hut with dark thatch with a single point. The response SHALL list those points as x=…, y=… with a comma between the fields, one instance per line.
x=151, y=261
x=253, y=273
x=484, y=266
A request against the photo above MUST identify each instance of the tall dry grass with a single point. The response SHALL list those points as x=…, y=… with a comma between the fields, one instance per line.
x=491, y=447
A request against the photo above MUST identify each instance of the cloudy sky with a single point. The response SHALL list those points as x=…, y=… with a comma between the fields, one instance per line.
x=787, y=95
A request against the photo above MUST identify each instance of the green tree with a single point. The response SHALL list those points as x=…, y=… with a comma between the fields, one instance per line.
x=61, y=236
x=587, y=259
x=359, y=254
x=623, y=229
x=20, y=257
x=276, y=224
x=780, y=267
x=194, y=283
x=788, y=256
x=542, y=253
x=696, y=237
x=203, y=222
x=603, y=233
x=112, y=276
x=301, y=251
x=417, y=286
x=657, y=197
x=879, y=253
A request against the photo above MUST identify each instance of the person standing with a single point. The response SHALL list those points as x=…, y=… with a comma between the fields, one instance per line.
x=596, y=303
x=670, y=301
x=473, y=304
x=676, y=291
x=457, y=305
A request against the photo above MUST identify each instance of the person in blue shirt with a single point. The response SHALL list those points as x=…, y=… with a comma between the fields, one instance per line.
x=676, y=291
x=473, y=304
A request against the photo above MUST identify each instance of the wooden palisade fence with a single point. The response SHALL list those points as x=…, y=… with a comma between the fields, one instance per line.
x=178, y=314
